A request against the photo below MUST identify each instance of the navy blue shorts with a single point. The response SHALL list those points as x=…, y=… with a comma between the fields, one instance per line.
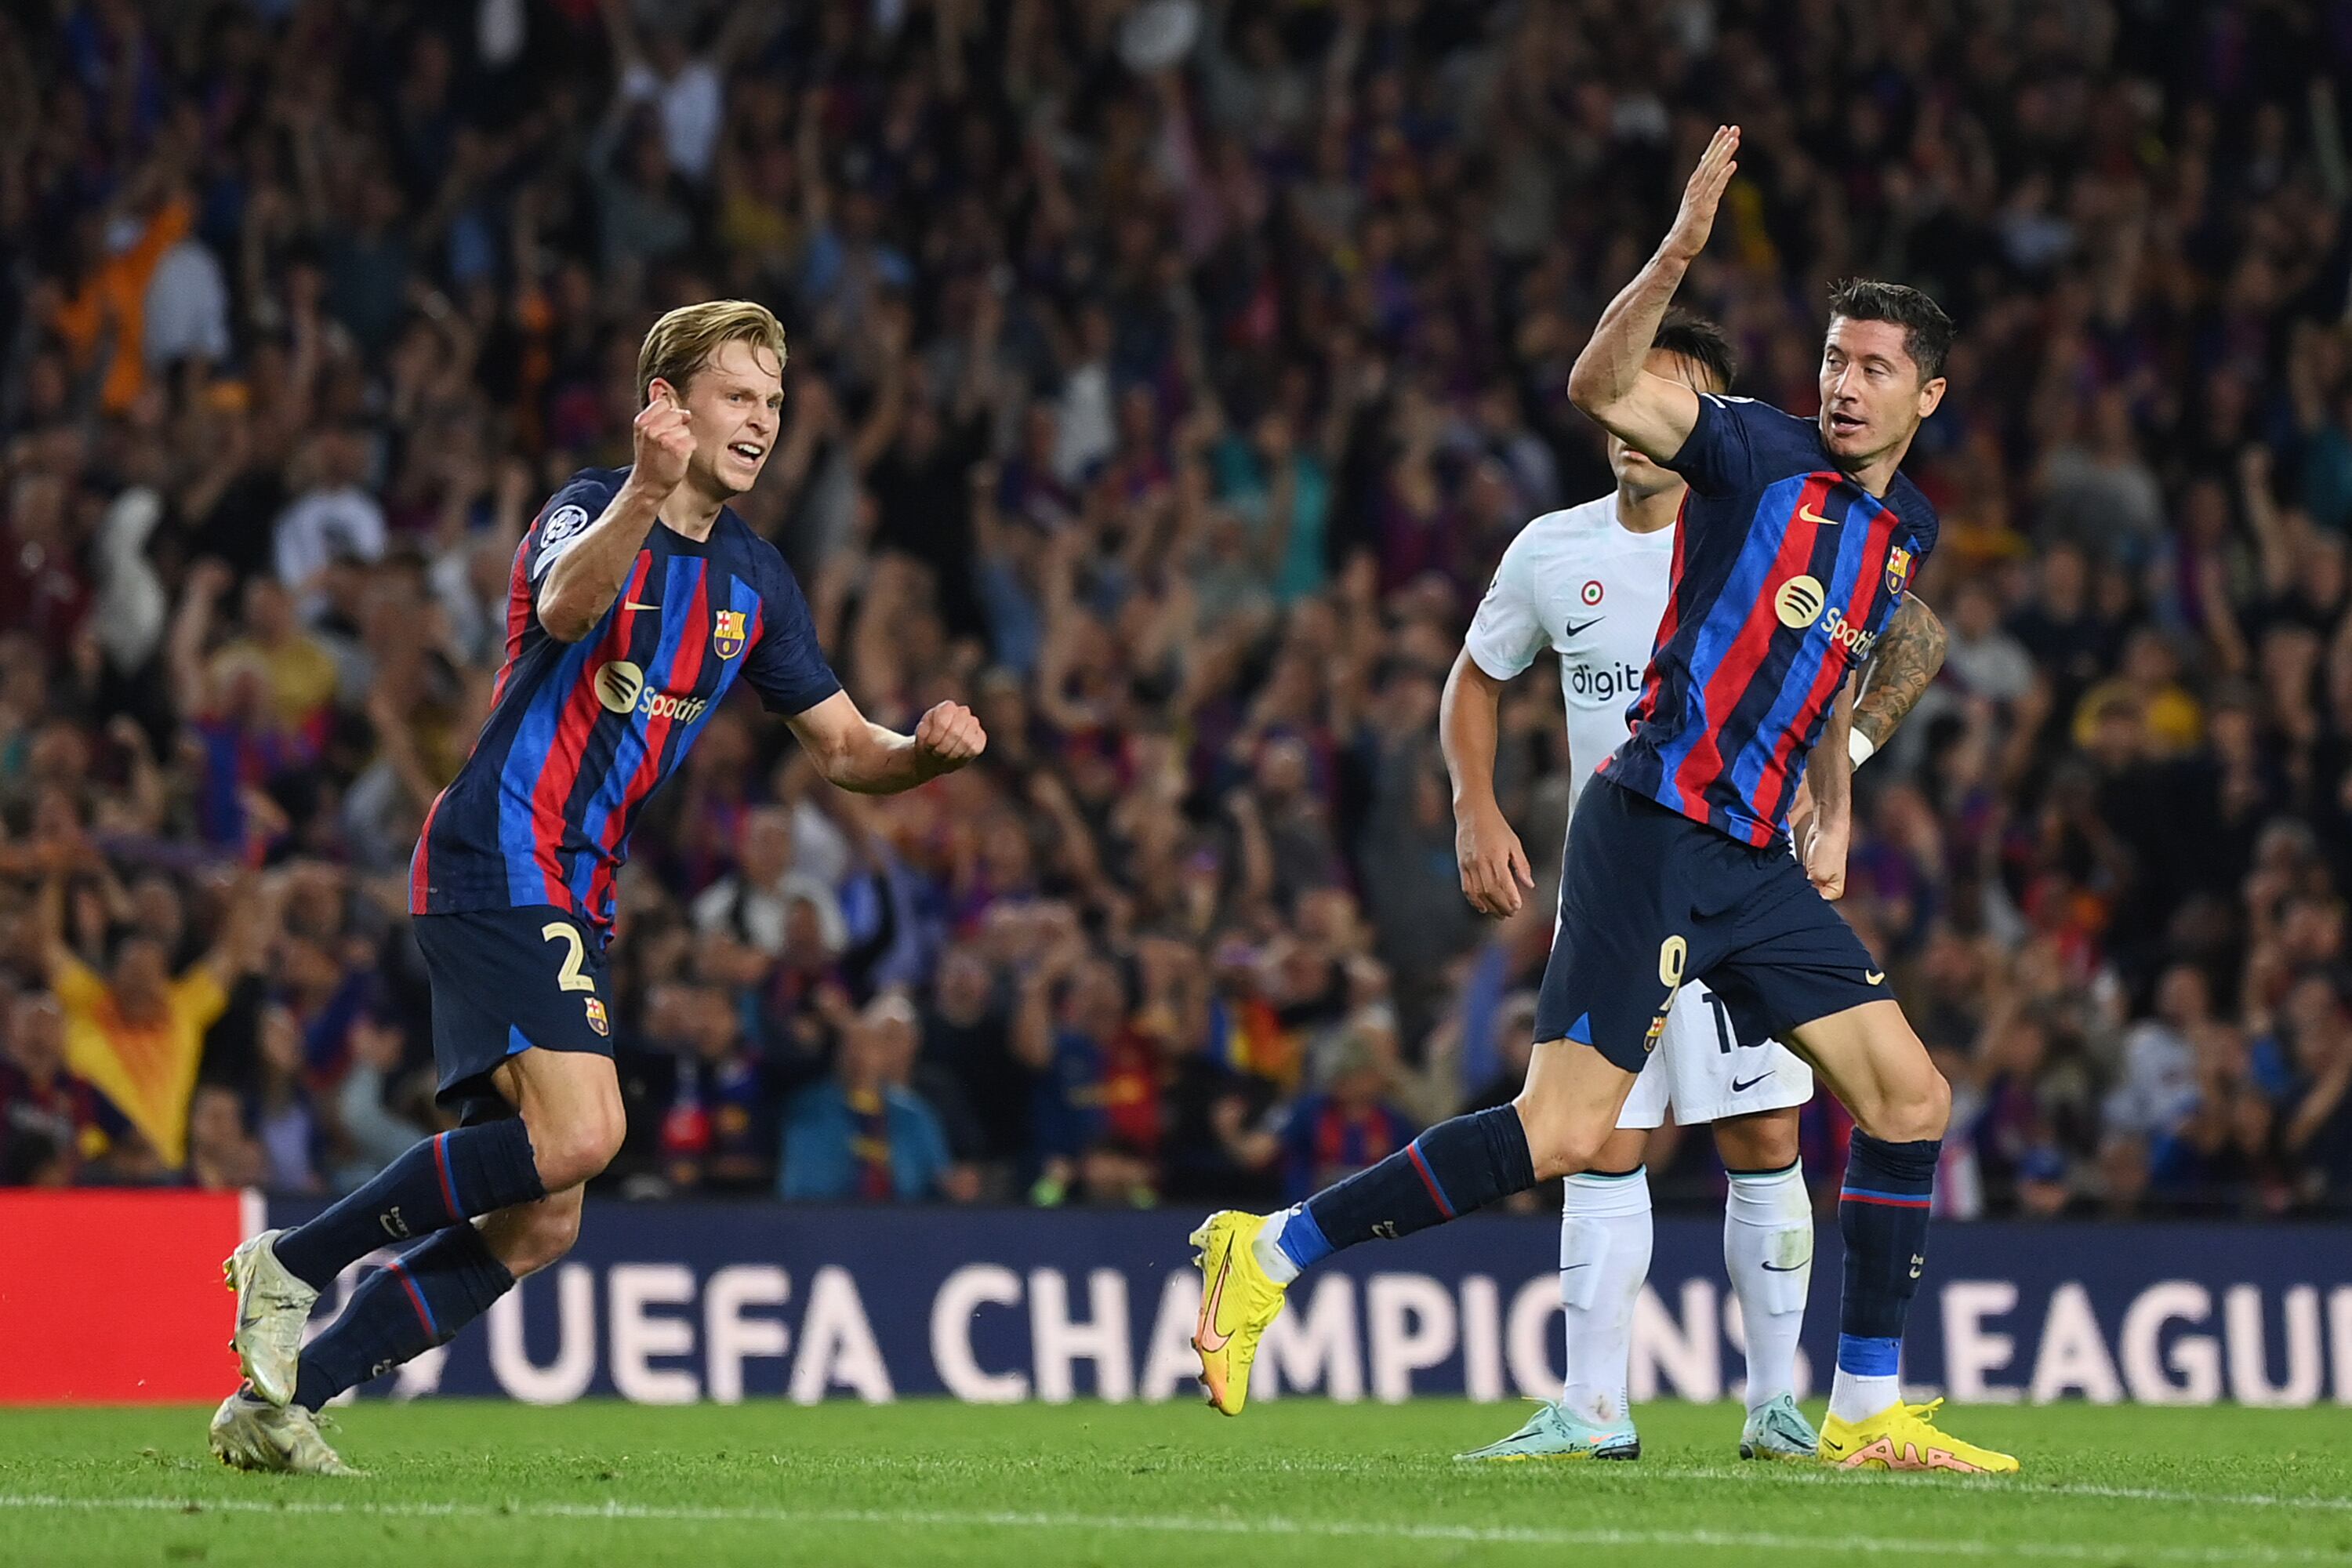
x=1650, y=900
x=504, y=980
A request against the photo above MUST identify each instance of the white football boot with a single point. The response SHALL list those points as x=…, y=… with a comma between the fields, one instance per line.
x=272, y=1306
x=250, y=1433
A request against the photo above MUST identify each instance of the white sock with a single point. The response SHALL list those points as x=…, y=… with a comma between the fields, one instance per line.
x=1768, y=1249
x=1854, y=1397
x=1270, y=1257
x=1604, y=1256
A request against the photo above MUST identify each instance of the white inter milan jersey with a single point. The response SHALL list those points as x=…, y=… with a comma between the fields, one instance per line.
x=1577, y=583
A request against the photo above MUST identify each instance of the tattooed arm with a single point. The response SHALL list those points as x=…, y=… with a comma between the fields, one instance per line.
x=1906, y=659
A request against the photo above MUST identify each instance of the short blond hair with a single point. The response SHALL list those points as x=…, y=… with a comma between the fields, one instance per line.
x=682, y=341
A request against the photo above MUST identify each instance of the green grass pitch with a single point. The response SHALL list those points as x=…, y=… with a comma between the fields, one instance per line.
x=1295, y=1482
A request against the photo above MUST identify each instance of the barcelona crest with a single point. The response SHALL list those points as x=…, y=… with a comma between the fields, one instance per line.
x=596, y=1016
x=727, y=633
x=1898, y=569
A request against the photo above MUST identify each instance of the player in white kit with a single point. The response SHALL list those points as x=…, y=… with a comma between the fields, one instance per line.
x=1591, y=584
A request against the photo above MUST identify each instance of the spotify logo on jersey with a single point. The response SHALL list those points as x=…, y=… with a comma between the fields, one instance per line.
x=619, y=683
x=1799, y=603
x=621, y=687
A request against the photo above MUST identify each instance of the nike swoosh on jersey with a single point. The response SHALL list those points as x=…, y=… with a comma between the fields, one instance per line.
x=1873, y=977
x=1573, y=629
x=1739, y=1086
x=632, y=605
x=1810, y=515
x=1791, y=1268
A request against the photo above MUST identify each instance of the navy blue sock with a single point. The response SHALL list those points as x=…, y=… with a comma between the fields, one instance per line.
x=1882, y=1215
x=1453, y=1168
x=434, y=1186
x=418, y=1300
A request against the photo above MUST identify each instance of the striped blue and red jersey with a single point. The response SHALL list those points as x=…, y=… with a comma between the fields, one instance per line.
x=580, y=734
x=1786, y=572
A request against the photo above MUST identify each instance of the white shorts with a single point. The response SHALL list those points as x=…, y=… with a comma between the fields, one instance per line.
x=1705, y=1073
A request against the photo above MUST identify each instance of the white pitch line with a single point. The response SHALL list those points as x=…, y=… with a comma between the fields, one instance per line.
x=2019, y=1490
x=2023, y=1489
x=1461, y=1534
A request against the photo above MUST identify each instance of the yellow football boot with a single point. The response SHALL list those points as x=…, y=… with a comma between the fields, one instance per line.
x=1238, y=1299
x=1903, y=1437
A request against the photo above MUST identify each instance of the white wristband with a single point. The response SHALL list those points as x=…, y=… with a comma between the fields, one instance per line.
x=1859, y=746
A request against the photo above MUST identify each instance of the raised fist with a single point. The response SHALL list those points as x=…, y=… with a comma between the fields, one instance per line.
x=949, y=736
x=664, y=438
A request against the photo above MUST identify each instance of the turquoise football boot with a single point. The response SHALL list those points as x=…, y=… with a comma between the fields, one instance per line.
x=1779, y=1431
x=1553, y=1433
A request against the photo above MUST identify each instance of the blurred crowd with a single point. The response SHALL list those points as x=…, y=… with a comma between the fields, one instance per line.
x=1166, y=379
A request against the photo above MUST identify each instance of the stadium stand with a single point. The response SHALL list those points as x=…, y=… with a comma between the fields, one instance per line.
x=1166, y=380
